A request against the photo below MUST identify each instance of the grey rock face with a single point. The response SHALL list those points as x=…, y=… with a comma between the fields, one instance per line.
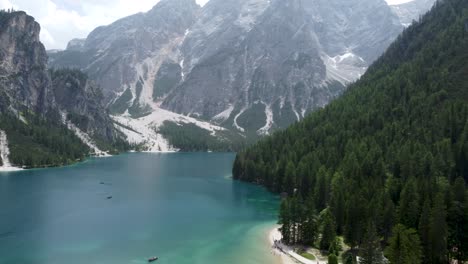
x=408, y=12
x=24, y=81
x=27, y=85
x=80, y=98
x=282, y=58
x=255, y=65
x=76, y=44
x=130, y=51
x=364, y=27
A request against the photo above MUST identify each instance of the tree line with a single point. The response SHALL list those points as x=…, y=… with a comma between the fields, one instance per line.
x=384, y=167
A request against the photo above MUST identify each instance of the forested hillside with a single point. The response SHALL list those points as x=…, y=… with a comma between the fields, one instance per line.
x=39, y=142
x=385, y=165
x=38, y=106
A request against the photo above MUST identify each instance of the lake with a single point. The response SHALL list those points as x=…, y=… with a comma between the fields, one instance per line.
x=181, y=207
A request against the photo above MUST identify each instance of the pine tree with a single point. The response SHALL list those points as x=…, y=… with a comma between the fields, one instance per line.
x=310, y=230
x=285, y=221
x=332, y=259
x=404, y=247
x=424, y=230
x=328, y=230
x=370, y=251
x=353, y=230
x=438, y=231
x=458, y=221
x=290, y=178
x=348, y=258
x=321, y=189
x=337, y=203
x=387, y=218
x=409, y=205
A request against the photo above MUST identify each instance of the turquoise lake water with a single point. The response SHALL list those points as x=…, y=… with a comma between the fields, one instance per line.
x=181, y=207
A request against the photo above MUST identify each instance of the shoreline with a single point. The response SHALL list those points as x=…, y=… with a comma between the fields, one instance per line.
x=275, y=235
x=107, y=155
x=286, y=253
x=10, y=169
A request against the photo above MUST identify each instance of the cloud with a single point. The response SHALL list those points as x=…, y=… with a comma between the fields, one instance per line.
x=396, y=2
x=63, y=20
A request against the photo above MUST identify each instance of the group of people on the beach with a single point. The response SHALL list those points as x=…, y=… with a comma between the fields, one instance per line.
x=275, y=247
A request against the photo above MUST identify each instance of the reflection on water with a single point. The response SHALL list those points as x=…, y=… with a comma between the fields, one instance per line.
x=179, y=207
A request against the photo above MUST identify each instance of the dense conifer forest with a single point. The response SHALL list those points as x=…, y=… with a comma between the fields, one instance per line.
x=41, y=143
x=189, y=137
x=385, y=166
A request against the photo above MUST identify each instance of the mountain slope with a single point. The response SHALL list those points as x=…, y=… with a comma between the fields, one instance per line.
x=411, y=11
x=34, y=130
x=259, y=65
x=393, y=144
x=23, y=73
x=251, y=66
x=127, y=54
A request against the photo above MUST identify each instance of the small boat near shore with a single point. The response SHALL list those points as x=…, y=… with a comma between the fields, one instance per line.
x=152, y=259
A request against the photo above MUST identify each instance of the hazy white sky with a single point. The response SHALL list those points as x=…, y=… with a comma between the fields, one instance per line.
x=63, y=20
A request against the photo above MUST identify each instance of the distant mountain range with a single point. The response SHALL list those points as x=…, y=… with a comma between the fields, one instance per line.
x=247, y=65
x=412, y=11
x=233, y=68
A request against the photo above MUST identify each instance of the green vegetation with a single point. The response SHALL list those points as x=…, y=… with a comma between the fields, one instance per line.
x=393, y=150
x=307, y=255
x=41, y=143
x=332, y=259
x=190, y=137
x=404, y=246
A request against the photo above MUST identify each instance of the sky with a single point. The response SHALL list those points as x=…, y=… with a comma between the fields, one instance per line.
x=63, y=20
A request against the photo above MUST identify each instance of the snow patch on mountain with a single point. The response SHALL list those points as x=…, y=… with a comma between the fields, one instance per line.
x=236, y=125
x=269, y=121
x=223, y=116
x=345, y=68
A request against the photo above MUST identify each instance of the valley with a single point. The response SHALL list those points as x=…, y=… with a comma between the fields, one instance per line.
x=236, y=131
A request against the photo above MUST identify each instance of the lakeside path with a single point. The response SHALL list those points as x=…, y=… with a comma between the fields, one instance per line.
x=287, y=254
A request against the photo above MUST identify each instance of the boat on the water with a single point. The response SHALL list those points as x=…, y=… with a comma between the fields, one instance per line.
x=152, y=259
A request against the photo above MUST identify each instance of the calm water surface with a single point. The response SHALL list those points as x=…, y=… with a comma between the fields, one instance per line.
x=181, y=207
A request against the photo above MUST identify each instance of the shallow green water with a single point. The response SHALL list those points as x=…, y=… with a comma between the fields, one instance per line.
x=181, y=207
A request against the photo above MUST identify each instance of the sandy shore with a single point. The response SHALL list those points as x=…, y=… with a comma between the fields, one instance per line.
x=286, y=253
x=275, y=235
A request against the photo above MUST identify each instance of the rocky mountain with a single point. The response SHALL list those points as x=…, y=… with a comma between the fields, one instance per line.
x=46, y=118
x=251, y=66
x=81, y=102
x=76, y=44
x=24, y=79
x=124, y=57
x=259, y=65
x=412, y=11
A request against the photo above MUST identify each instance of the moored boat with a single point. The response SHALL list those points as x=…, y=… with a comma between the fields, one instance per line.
x=152, y=259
